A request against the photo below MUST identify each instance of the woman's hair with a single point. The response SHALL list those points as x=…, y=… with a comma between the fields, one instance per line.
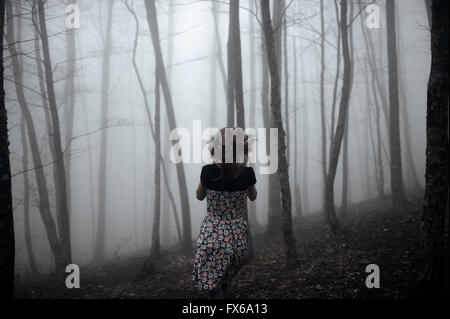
x=225, y=142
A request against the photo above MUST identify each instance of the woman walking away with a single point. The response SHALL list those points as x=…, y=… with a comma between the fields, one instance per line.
x=222, y=246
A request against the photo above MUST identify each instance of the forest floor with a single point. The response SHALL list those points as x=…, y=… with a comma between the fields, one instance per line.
x=329, y=266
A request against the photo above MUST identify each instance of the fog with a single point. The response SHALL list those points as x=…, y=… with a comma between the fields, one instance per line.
x=190, y=53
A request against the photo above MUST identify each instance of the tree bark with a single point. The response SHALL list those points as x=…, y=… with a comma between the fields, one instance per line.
x=69, y=103
x=237, y=64
x=398, y=196
x=436, y=176
x=283, y=172
x=103, y=160
x=322, y=94
x=330, y=213
x=7, y=243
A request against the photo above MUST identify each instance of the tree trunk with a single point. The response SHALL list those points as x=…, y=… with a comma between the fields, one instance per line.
x=298, y=197
x=153, y=25
x=329, y=208
x=338, y=70
x=26, y=202
x=237, y=64
x=103, y=161
x=69, y=103
x=253, y=220
x=62, y=209
x=283, y=172
x=156, y=246
x=322, y=94
x=345, y=170
x=230, y=70
x=218, y=53
x=274, y=223
x=398, y=196
x=436, y=176
x=41, y=182
x=7, y=245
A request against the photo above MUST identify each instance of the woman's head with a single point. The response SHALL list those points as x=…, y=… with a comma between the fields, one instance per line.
x=229, y=148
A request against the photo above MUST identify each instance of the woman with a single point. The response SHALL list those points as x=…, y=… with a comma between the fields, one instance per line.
x=222, y=245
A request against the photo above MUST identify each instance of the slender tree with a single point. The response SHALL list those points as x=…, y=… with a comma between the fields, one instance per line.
x=237, y=64
x=69, y=101
x=41, y=182
x=7, y=245
x=329, y=209
x=61, y=186
x=283, y=169
x=398, y=195
x=104, y=105
x=156, y=246
x=153, y=26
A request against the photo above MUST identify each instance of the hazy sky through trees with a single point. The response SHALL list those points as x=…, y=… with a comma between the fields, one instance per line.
x=130, y=154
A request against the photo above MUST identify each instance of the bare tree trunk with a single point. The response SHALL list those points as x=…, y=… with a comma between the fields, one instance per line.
x=218, y=53
x=69, y=103
x=62, y=205
x=398, y=196
x=103, y=161
x=298, y=194
x=286, y=91
x=41, y=182
x=274, y=223
x=153, y=25
x=322, y=94
x=7, y=242
x=26, y=182
x=230, y=69
x=152, y=128
x=283, y=169
x=156, y=246
x=436, y=176
x=305, y=140
x=338, y=70
x=345, y=170
x=252, y=114
x=237, y=64
x=329, y=208
x=26, y=201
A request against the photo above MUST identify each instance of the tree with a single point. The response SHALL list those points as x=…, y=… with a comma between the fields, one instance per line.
x=60, y=187
x=99, y=254
x=155, y=250
x=162, y=78
x=283, y=169
x=274, y=222
x=7, y=245
x=398, y=196
x=329, y=209
x=322, y=94
x=41, y=182
x=69, y=100
x=436, y=172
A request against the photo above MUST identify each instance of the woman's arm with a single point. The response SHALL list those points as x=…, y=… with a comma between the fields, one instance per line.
x=201, y=193
x=252, y=193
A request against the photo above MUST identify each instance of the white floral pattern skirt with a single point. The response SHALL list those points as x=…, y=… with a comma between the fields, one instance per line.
x=222, y=246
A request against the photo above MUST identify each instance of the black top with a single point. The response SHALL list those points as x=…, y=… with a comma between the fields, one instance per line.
x=211, y=171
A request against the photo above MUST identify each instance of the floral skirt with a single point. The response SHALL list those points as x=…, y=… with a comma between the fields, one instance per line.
x=222, y=250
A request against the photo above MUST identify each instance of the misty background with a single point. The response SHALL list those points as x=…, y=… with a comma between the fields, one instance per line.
x=190, y=47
